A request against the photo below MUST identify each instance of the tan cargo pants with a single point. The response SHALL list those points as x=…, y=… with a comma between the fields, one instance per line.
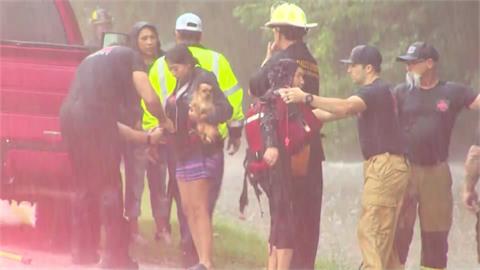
x=430, y=193
x=386, y=179
x=472, y=173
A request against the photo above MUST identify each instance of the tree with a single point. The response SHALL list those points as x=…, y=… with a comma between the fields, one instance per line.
x=452, y=26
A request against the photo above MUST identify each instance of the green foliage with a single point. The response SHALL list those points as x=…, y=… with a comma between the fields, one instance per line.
x=234, y=28
x=452, y=26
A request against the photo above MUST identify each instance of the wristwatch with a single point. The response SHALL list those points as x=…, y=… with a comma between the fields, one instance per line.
x=308, y=99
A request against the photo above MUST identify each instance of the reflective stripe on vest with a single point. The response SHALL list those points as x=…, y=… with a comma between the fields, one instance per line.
x=232, y=90
x=162, y=82
x=237, y=123
x=215, y=63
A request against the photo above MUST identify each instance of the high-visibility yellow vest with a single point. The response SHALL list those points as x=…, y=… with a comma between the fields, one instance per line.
x=163, y=83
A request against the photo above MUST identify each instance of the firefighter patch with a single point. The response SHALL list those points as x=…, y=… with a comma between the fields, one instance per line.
x=443, y=105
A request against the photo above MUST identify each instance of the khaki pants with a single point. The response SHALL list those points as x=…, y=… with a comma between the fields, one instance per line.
x=430, y=193
x=472, y=173
x=386, y=179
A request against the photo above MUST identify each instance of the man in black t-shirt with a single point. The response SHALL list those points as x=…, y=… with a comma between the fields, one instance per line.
x=88, y=119
x=386, y=170
x=428, y=108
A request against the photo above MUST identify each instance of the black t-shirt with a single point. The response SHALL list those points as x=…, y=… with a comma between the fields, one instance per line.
x=427, y=118
x=102, y=84
x=378, y=127
x=299, y=52
x=131, y=113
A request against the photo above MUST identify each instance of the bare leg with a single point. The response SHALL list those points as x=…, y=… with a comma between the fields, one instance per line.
x=194, y=197
x=284, y=257
x=272, y=258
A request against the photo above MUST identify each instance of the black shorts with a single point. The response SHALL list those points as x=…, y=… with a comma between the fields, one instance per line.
x=276, y=185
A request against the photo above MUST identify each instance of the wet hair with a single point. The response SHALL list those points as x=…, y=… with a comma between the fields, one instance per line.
x=282, y=73
x=180, y=54
x=279, y=75
x=292, y=32
x=190, y=36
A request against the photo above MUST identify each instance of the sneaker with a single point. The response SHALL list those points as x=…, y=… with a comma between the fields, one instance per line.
x=164, y=236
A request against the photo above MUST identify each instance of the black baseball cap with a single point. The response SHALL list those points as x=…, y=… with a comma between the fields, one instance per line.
x=364, y=55
x=419, y=50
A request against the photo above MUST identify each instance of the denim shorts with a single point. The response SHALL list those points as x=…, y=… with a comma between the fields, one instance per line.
x=199, y=166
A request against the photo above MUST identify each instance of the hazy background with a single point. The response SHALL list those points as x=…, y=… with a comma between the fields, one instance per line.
x=234, y=28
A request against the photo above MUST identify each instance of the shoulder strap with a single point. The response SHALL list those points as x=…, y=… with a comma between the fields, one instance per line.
x=247, y=177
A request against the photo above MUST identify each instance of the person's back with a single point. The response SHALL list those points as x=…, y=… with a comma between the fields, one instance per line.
x=88, y=119
x=101, y=83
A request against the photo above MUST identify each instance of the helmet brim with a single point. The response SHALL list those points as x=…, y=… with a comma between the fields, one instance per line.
x=274, y=24
x=101, y=22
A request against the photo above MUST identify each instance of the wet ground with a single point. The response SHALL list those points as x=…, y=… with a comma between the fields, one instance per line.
x=342, y=187
x=340, y=210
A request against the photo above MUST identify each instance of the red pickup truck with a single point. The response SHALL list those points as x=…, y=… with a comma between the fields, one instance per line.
x=41, y=46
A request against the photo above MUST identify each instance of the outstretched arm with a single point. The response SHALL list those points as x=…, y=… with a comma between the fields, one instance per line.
x=341, y=108
x=325, y=116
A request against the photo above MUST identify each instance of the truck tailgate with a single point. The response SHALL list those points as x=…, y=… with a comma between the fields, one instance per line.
x=34, y=81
